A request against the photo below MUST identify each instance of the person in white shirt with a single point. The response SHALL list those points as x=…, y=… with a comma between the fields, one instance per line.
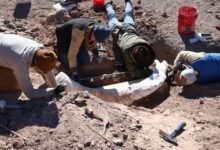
x=17, y=55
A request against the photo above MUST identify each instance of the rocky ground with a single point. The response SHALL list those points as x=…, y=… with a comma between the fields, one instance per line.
x=61, y=123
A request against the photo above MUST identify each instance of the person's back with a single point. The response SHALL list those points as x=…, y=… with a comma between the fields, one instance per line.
x=74, y=39
x=127, y=44
x=17, y=55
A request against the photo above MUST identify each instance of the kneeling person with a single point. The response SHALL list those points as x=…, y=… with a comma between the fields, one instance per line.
x=17, y=55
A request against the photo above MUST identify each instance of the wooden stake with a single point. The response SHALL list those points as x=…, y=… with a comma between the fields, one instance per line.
x=4, y=127
x=99, y=134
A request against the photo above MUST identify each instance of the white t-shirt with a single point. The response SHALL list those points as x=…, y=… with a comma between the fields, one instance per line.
x=16, y=53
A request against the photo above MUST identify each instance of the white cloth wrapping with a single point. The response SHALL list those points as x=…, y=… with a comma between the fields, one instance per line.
x=125, y=92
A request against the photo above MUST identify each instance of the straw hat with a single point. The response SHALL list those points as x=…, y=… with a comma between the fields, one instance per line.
x=45, y=60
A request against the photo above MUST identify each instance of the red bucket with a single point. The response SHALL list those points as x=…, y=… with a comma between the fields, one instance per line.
x=98, y=3
x=186, y=19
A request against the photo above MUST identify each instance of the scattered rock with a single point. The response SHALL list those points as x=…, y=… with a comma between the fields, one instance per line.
x=80, y=102
x=92, y=143
x=18, y=144
x=48, y=43
x=212, y=3
x=122, y=129
x=167, y=112
x=2, y=29
x=135, y=126
x=35, y=29
x=138, y=126
x=87, y=143
x=201, y=102
x=37, y=140
x=164, y=14
x=21, y=29
x=9, y=24
x=51, y=132
x=217, y=17
x=125, y=137
x=115, y=135
x=138, y=146
x=118, y=142
x=80, y=146
x=201, y=113
x=200, y=121
x=199, y=128
x=137, y=7
x=85, y=94
x=138, y=13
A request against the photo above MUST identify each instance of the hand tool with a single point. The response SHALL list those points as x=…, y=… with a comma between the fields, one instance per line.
x=89, y=112
x=172, y=137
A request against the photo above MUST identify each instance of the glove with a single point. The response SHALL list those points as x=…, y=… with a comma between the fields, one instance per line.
x=60, y=88
x=95, y=51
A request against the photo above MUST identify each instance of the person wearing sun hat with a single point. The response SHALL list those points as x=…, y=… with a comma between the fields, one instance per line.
x=17, y=55
x=74, y=39
x=201, y=68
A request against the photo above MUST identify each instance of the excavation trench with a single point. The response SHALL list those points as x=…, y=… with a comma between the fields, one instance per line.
x=98, y=74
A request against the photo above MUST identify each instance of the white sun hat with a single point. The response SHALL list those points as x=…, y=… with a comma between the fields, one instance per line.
x=190, y=75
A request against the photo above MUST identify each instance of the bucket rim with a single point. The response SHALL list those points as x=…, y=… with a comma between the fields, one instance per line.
x=195, y=14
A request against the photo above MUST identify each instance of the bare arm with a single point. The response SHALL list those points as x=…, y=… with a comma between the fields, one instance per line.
x=21, y=71
x=187, y=57
x=50, y=79
x=76, y=41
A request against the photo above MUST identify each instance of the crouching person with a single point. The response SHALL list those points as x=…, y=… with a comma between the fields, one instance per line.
x=132, y=51
x=74, y=39
x=201, y=68
x=17, y=55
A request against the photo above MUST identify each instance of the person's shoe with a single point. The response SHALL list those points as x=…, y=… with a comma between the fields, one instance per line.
x=127, y=1
x=108, y=2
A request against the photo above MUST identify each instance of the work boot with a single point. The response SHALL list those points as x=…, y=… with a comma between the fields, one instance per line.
x=128, y=1
x=108, y=2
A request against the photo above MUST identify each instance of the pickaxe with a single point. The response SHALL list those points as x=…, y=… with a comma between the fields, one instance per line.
x=89, y=112
x=172, y=137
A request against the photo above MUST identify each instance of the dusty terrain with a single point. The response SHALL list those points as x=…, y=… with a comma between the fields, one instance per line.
x=58, y=123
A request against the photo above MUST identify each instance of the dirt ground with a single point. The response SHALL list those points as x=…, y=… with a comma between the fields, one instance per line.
x=60, y=123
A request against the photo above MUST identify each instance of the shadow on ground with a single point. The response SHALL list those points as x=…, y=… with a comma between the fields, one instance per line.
x=154, y=99
x=199, y=46
x=35, y=112
x=199, y=91
x=21, y=11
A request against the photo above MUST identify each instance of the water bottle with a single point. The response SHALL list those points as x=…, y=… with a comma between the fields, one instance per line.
x=23, y=1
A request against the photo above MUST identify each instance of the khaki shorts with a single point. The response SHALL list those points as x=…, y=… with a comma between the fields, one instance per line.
x=8, y=81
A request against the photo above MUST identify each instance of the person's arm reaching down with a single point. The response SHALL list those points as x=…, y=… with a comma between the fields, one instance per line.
x=187, y=57
x=76, y=41
x=50, y=79
x=21, y=71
